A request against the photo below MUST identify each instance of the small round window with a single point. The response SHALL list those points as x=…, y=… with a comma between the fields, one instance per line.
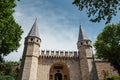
x=37, y=40
x=31, y=39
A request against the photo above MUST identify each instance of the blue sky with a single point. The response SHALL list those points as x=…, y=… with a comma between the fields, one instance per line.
x=58, y=23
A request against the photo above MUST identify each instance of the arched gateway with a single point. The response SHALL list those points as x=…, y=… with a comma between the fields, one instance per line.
x=59, y=71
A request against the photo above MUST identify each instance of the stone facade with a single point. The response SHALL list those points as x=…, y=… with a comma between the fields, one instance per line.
x=39, y=64
x=104, y=68
x=49, y=66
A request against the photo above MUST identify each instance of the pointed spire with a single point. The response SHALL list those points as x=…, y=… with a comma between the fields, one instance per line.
x=82, y=34
x=34, y=30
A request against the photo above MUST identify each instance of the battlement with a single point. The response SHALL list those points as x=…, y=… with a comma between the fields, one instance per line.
x=59, y=53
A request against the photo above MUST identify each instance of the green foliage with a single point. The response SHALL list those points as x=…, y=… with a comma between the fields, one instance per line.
x=112, y=77
x=8, y=70
x=10, y=31
x=107, y=45
x=99, y=9
x=6, y=78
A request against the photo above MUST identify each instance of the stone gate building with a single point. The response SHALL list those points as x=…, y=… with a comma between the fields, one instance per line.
x=39, y=64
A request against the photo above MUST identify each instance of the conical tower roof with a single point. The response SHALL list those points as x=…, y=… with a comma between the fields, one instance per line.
x=82, y=34
x=34, y=30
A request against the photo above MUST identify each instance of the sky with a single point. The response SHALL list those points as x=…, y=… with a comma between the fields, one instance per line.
x=58, y=23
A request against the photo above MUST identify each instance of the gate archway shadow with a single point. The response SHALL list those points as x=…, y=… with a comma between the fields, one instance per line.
x=59, y=71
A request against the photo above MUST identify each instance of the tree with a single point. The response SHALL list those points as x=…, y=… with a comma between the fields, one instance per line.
x=107, y=45
x=99, y=9
x=8, y=70
x=10, y=31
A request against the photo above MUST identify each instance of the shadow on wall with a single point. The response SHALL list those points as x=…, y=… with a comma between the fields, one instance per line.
x=93, y=73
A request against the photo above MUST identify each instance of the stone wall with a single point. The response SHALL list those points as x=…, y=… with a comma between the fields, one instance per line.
x=104, y=68
x=44, y=66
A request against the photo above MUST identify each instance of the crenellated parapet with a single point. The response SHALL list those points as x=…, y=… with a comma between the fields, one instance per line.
x=59, y=54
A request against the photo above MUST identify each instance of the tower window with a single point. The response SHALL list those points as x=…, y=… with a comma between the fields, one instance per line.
x=31, y=39
x=37, y=40
x=81, y=43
